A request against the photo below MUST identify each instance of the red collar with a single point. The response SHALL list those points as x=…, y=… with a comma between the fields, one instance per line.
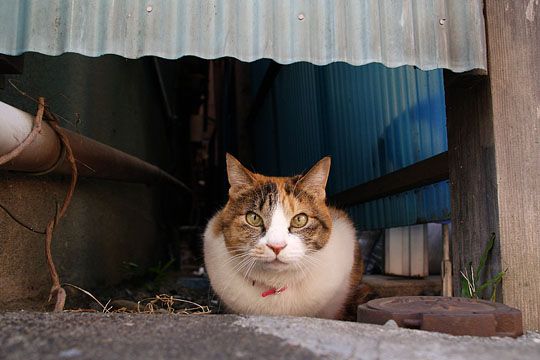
x=272, y=291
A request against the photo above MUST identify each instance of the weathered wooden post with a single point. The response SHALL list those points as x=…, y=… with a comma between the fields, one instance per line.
x=494, y=156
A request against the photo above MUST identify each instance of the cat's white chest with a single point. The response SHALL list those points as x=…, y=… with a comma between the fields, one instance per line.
x=319, y=291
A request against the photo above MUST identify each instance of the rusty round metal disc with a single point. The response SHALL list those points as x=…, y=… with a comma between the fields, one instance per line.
x=451, y=315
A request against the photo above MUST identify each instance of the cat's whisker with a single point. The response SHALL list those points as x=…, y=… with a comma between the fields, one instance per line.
x=308, y=267
x=240, y=264
x=298, y=265
x=238, y=249
x=307, y=264
x=237, y=256
x=232, y=260
x=235, y=269
x=245, y=265
x=239, y=253
x=252, y=266
x=314, y=260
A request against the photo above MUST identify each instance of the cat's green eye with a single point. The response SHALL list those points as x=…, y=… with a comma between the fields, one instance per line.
x=253, y=219
x=299, y=220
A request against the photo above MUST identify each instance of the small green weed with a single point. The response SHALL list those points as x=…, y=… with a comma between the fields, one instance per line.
x=153, y=275
x=470, y=282
x=160, y=271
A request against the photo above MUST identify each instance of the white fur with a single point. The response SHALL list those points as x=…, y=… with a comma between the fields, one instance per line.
x=278, y=235
x=318, y=289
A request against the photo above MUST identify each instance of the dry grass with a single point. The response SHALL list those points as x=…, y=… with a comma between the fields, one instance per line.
x=158, y=304
x=171, y=304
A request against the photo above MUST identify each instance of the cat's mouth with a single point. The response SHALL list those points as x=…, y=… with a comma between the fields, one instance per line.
x=276, y=264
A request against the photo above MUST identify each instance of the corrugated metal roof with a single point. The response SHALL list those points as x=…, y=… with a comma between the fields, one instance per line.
x=372, y=120
x=427, y=33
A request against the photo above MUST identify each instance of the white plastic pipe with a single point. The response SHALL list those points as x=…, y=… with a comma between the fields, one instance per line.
x=94, y=159
x=15, y=125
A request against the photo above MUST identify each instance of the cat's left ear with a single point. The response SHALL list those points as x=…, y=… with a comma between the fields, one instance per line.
x=314, y=181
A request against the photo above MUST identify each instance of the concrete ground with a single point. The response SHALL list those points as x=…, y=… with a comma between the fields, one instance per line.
x=30, y=335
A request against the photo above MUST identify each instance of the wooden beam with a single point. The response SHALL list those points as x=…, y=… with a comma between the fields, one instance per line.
x=473, y=188
x=465, y=79
x=494, y=157
x=446, y=263
x=422, y=173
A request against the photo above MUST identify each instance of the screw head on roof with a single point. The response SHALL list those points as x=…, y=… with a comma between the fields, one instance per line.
x=301, y=16
x=442, y=21
x=149, y=8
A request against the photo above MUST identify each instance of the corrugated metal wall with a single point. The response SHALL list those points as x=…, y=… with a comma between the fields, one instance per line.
x=426, y=33
x=372, y=120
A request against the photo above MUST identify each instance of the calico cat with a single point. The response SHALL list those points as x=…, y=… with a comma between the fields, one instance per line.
x=276, y=248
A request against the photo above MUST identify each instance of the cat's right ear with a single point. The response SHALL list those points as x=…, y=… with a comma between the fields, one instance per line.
x=238, y=175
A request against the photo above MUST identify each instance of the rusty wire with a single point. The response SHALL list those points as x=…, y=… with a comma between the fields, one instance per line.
x=20, y=222
x=57, y=292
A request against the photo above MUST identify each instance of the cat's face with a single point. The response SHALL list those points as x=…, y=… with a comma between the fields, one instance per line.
x=276, y=223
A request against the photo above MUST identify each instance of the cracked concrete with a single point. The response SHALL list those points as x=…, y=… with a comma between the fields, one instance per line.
x=31, y=335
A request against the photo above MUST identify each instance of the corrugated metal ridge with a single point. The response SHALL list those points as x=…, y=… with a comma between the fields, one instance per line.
x=426, y=33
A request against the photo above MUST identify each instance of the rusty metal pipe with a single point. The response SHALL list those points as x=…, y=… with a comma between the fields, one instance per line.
x=94, y=159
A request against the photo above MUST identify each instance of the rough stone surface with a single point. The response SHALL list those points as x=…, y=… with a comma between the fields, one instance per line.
x=102, y=229
x=28, y=335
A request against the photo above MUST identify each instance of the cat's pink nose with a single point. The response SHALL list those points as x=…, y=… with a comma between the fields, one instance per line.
x=276, y=248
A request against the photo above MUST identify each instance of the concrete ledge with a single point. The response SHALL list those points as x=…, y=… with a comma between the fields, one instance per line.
x=28, y=335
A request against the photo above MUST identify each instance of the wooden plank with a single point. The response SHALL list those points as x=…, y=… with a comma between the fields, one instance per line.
x=446, y=263
x=422, y=173
x=514, y=63
x=494, y=157
x=473, y=188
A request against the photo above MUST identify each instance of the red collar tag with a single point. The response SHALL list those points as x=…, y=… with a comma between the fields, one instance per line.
x=273, y=291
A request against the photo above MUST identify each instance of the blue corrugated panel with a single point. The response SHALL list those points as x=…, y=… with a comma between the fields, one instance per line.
x=266, y=151
x=371, y=119
x=258, y=69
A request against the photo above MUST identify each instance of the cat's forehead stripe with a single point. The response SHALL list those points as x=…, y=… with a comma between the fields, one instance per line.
x=269, y=192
